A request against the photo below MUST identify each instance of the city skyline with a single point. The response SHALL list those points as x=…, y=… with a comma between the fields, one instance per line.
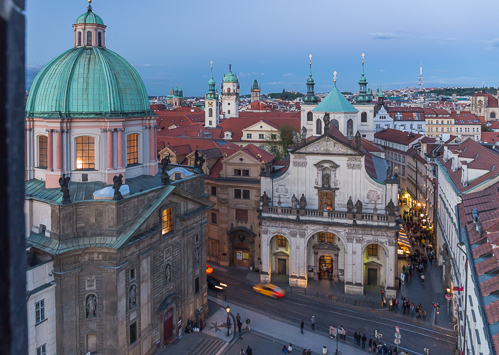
x=271, y=43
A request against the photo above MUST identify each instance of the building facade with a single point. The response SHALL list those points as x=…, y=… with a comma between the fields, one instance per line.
x=325, y=210
x=128, y=247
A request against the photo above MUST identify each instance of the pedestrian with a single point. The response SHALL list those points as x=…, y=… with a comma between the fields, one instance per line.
x=309, y=352
x=304, y=352
x=312, y=322
x=390, y=351
x=249, y=351
x=374, y=347
x=358, y=338
x=364, y=338
x=284, y=349
x=385, y=349
x=239, y=326
x=238, y=318
x=355, y=338
x=242, y=352
x=302, y=324
x=422, y=278
x=201, y=325
x=290, y=348
x=248, y=324
x=370, y=345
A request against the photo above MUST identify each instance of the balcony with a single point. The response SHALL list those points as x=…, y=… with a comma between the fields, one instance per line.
x=327, y=216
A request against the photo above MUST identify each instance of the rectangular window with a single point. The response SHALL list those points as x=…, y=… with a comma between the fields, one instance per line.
x=42, y=350
x=166, y=220
x=89, y=38
x=196, y=285
x=40, y=311
x=132, y=274
x=228, y=112
x=260, y=136
x=213, y=191
x=42, y=152
x=242, y=215
x=326, y=237
x=246, y=194
x=237, y=172
x=213, y=218
x=85, y=153
x=132, y=149
x=403, y=170
x=245, y=172
x=281, y=241
x=133, y=333
x=178, y=176
x=248, y=135
x=242, y=194
x=372, y=250
x=237, y=193
x=478, y=341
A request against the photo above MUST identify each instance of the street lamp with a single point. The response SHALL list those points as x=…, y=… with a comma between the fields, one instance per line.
x=378, y=336
x=459, y=245
x=228, y=319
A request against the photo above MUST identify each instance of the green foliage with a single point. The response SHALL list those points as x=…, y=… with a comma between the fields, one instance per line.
x=485, y=128
x=346, y=93
x=278, y=143
x=462, y=91
x=291, y=95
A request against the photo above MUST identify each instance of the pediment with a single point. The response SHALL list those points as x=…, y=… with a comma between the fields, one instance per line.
x=327, y=145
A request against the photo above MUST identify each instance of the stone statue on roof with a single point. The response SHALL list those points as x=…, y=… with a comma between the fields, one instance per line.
x=165, y=178
x=303, y=133
x=390, y=208
x=358, y=142
x=64, y=183
x=199, y=161
x=303, y=201
x=118, y=181
x=389, y=173
x=327, y=122
x=295, y=137
x=294, y=201
x=264, y=199
x=350, y=205
x=358, y=207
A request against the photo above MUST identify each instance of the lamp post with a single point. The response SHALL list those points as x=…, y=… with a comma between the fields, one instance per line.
x=378, y=336
x=228, y=319
x=459, y=245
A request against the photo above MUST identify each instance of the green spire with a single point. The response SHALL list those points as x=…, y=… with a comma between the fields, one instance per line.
x=212, y=94
x=365, y=95
x=310, y=99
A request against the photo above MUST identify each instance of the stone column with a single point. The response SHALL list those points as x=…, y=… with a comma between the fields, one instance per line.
x=58, y=164
x=335, y=267
x=265, y=269
x=120, y=148
x=110, y=149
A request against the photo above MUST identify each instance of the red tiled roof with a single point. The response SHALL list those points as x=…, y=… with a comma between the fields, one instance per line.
x=490, y=137
x=493, y=124
x=258, y=106
x=492, y=311
x=396, y=136
x=428, y=140
x=371, y=147
x=237, y=124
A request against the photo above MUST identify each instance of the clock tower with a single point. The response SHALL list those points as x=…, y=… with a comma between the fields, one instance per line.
x=211, y=111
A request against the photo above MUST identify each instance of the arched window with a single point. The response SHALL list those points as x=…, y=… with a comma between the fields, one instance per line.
x=132, y=149
x=210, y=112
x=310, y=117
x=89, y=38
x=335, y=123
x=79, y=38
x=228, y=90
x=492, y=115
x=318, y=127
x=99, y=39
x=350, y=127
x=363, y=117
x=85, y=153
x=42, y=152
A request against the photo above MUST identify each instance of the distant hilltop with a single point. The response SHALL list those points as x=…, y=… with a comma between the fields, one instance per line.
x=461, y=91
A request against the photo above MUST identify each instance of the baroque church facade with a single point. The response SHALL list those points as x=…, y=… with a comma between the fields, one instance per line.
x=334, y=207
x=127, y=245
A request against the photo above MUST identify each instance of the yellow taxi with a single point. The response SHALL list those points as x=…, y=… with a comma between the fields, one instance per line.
x=269, y=290
x=209, y=269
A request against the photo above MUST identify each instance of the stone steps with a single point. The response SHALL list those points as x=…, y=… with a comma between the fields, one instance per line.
x=208, y=346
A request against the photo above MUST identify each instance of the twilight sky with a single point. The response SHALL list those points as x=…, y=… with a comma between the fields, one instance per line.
x=172, y=42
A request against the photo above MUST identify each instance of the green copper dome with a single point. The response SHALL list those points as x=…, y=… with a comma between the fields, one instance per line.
x=88, y=82
x=230, y=77
x=89, y=17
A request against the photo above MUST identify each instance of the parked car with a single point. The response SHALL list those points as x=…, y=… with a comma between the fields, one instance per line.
x=215, y=284
x=269, y=290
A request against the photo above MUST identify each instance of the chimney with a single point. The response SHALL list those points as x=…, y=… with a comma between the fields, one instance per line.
x=455, y=163
x=464, y=175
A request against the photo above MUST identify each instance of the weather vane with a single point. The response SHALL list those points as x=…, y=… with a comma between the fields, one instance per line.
x=334, y=73
x=363, y=55
x=310, y=56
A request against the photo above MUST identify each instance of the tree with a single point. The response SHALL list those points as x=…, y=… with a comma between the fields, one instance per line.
x=279, y=142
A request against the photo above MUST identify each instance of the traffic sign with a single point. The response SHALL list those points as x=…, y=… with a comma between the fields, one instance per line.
x=447, y=297
x=397, y=336
x=397, y=329
x=397, y=341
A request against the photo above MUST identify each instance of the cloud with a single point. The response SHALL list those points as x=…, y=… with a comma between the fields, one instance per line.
x=441, y=38
x=288, y=74
x=494, y=44
x=382, y=70
x=384, y=36
x=263, y=73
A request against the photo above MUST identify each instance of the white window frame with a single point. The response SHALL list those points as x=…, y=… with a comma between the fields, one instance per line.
x=40, y=311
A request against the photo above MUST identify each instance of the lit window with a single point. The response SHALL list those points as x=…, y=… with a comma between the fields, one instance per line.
x=372, y=250
x=85, y=153
x=40, y=311
x=42, y=152
x=281, y=241
x=132, y=149
x=166, y=221
x=326, y=237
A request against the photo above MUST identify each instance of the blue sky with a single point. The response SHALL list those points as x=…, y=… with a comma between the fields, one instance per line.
x=173, y=42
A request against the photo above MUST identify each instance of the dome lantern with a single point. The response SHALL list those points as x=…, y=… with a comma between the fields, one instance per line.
x=89, y=29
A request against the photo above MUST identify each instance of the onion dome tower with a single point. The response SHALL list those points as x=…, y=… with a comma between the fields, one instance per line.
x=88, y=114
x=211, y=110
x=230, y=95
x=310, y=99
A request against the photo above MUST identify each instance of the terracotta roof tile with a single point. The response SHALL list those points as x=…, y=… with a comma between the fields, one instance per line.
x=396, y=136
x=492, y=311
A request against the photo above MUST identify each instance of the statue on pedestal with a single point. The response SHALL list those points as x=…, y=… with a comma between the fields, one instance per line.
x=303, y=201
x=64, y=183
x=118, y=181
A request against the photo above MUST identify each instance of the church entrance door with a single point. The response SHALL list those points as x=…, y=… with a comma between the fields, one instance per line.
x=372, y=277
x=241, y=254
x=326, y=266
x=281, y=266
x=168, y=325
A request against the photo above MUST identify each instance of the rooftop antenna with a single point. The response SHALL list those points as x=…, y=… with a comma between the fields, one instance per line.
x=421, y=76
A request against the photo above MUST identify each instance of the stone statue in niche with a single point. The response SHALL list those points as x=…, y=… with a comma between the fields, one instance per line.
x=350, y=205
x=358, y=142
x=303, y=201
x=197, y=255
x=168, y=273
x=326, y=180
x=264, y=199
x=118, y=181
x=132, y=297
x=327, y=122
x=324, y=205
x=358, y=207
x=390, y=208
x=294, y=201
x=91, y=306
x=64, y=183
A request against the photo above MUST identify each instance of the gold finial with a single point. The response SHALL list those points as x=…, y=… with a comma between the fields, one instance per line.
x=211, y=64
x=310, y=56
x=89, y=1
x=363, y=55
x=334, y=73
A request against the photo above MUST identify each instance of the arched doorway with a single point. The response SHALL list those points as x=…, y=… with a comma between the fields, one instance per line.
x=242, y=247
x=279, y=255
x=326, y=266
x=374, y=265
x=323, y=255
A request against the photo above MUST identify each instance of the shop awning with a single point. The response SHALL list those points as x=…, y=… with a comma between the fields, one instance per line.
x=403, y=239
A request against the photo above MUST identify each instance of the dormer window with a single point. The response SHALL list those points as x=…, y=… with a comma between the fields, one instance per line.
x=89, y=38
